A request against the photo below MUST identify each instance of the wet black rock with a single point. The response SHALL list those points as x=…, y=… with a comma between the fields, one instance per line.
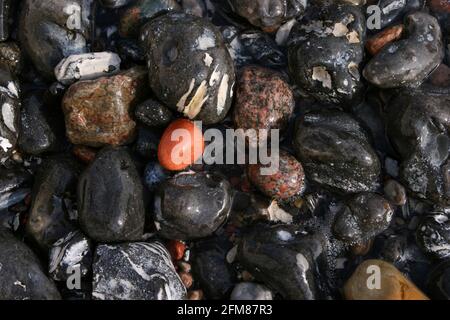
x=433, y=235
x=417, y=124
x=22, y=276
x=13, y=178
x=192, y=205
x=335, y=152
x=153, y=114
x=363, y=217
x=282, y=257
x=110, y=198
x=52, y=30
x=407, y=62
x=439, y=281
x=10, y=109
x=262, y=49
x=211, y=269
x=135, y=271
x=70, y=255
x=268, y=14
x=190, y=68
x=50, y=218
x=312, y=53
x=37, y=126
x=392, y=11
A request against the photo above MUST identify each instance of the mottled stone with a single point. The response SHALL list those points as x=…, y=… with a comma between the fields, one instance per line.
x=69, y=255
x=287, y=181
x=395, y=192
x=263, y=100
x=11, y=55
x=110, y=198
x=190, y=69
x=97, y=112
x=192, y=205
x=135, y=271
x=393, y=284
x=313, y=47
x=22, y=276
x=87, y=66
x=10, y=109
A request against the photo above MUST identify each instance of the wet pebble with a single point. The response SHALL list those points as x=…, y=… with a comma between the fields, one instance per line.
x=184, y=208
x=251, y=291
x=433, y=235
x=110, y=198
x=97, y=112
x=135, y=271
x=153, y=114
x=190, y=68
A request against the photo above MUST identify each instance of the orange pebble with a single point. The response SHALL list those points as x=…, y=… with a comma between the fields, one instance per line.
x=176, y=249
x=181, y=145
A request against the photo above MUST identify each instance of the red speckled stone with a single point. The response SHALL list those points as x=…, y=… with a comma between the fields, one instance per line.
x=263, y=100
x=288, y=181
x=176, y=249
x=189, y=149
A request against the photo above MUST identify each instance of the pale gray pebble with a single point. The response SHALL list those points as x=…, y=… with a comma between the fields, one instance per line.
x=135, y=271
x=251, y=291
x=87, y=66
x=69, y=253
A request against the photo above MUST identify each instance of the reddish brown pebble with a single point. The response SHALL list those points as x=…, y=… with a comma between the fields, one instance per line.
x=176, y=249
x=285, y=182
x=362, y=249
x=378, y=41
x=97, y=112
x=187, y=279
x=85, y=154
x=263, y=100
x=179, y=152
x=195, y=295
x=440, y=6
x=247, y=276
x=184, y=266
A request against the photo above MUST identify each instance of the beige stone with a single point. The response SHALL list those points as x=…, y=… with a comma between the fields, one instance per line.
x=393, y=284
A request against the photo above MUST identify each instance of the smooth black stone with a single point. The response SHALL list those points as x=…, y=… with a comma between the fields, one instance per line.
x=37, y=130
x=147, y=143
x=335, y=152
x=135, y=271
x=69, y=253
x=363, y=217
x=153, y=114
x=192, y=205
x=50, y=218
x=54, y=29
x=211, y=269
x=110, y=199
x=22, y=276
x=283, y=258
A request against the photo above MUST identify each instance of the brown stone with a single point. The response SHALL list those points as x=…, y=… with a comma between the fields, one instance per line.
x=195, y=295
x=97, y=112
x=361, y=249
x=441, y=6
x=441, y=76
x=187, y=279
x=393, y=284
x=378, y=41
